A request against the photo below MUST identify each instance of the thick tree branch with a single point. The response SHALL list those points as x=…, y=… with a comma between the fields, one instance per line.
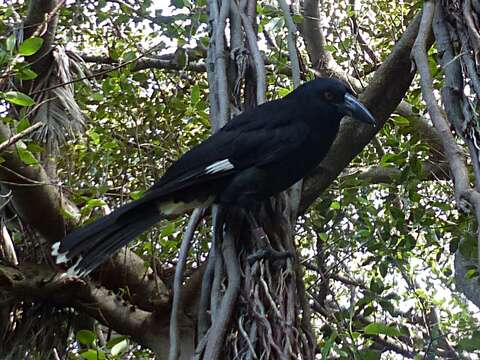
x=453, y=152
x=292, y=49
x=381, y=99
x=41, y=204
x=33, y=282
x=24, y=133
x=321, y=59
x=38, y=282
x=424, y=129
x=389, y=175
x=36, y=200
x=39, y=21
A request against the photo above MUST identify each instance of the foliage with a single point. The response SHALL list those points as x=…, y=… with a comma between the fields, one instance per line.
x=378, y=256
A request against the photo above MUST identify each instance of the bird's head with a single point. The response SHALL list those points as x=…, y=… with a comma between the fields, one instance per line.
x=334, y=96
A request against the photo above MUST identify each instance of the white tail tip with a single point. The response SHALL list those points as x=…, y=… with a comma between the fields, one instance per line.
x=60, y=257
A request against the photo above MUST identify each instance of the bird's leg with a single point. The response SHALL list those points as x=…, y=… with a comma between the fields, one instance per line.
x=266, y=251
x=258, y=232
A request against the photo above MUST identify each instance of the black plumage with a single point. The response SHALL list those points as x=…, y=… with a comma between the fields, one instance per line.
x=256, y=155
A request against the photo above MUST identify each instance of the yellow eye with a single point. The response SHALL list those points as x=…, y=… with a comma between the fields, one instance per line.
x=328, y=95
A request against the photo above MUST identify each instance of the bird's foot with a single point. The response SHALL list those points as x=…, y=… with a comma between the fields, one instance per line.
x=260, y=236
x=266, y=251
x=269, y=254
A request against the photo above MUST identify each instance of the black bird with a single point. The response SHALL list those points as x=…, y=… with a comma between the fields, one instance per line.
x=256, y=155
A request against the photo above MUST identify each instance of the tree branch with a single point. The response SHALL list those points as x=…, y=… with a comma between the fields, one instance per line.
x=381, y=99
x=38, y=282
x=389, y=175
x=40, y=20
x=20, y=135
x=292, y=50
x=453, y=152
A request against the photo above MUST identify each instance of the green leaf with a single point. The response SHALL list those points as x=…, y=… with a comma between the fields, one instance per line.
x=135, y=195
x=30, y=46
x=370, y=355
x=128, y=56
x=95, y=202
x=330, y=48
x=471, y=343
x=328, y=346
x=27, y=74
x=380, y=328
x=85, y=337
x=35, y=148
x=23, y=124
x=18, y=98
x=114, y=341
x=335, y=205
x=95, y=137
x=25, y=155
x=4, y=56
x=169, y=229
x=119, y=348
x=177, y=3
x=97, y=96
x=195, y=94
x=10, y=43
x=92, y=354
x=383, y=269
x=284, y=91
x=377, y=286
x=471, y=273
x=388, y=159
x=400, y=120
x=297, y=19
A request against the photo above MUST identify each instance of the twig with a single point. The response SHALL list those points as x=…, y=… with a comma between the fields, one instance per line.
x=292, y=30
x=247, y=338
x=177, y=283
x=20, y=135
x=41, y=27
x=215, y=294
x=55, y=354
x=48, y=18
x=257, y=57
x=91, y=76
x=221, y=65
x=212, y=85
x=6, y=244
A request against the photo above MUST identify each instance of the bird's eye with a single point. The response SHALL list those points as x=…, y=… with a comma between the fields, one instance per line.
x=328, y=95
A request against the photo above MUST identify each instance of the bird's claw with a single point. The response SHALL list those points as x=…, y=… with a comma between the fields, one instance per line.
x=268, y=254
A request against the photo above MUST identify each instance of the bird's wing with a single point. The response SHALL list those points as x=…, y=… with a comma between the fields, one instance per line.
x=230, y=151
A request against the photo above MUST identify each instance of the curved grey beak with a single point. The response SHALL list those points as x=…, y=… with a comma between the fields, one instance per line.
x=357, y=110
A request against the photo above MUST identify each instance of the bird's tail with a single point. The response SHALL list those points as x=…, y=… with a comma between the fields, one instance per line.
x=94, y=243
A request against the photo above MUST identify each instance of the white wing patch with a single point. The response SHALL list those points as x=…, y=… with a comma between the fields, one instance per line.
x=219, y=166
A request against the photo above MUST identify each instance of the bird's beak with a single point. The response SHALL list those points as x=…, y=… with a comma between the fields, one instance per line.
x=357, y=110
